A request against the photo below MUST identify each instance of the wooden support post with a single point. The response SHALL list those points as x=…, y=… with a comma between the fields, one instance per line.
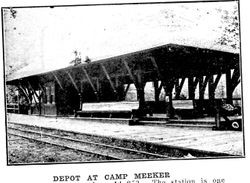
x=163, y=83
x=157, y=92
x=141, y=98
x=126, y=91
x=217, y=116
x=41, y=88
x=211, y=95
x=191, y=94
x=229, y=88
x=18, y=103
x=156, y=67
x=53, y=93
x=97, y=92
x=38, y=97
x=41, y=97
x=212, y=84
x=168, y=86
x=211, y=91
x=34, y=92
x=43, y=94
x=201, y=94
x=39, y=103
x=80, y=101
x=235, y=78
x=31, y=96
x=80, y=96
x=202, y=88
x=24, y=87
x=117, y=82
x=119, y=89
x=25, y=93
x=178, y=87
x=48, y=93
x=203, y=85
x=232, y=82
x=140, y=92
x=192, y=84
x=139, y=84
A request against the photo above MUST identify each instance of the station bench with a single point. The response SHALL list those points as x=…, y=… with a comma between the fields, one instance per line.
x=109, y=110
x=183, y=104
x=185, y=108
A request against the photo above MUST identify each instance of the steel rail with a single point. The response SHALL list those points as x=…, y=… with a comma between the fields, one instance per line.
x=65, y=146
x=94, y=143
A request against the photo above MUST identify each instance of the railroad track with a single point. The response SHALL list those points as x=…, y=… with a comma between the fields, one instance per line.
x=79, y=142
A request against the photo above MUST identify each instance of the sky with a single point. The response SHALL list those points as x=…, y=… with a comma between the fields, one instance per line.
x=42, y=39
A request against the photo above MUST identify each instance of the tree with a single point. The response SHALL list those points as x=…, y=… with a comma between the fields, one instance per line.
x=11, y=90
x=230, y=28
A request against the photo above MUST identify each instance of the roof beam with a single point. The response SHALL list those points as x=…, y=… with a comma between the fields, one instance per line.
x=178, y=87
x=235, y=78
x=108, y=77
x=192, y=84
x=33, y=90
x=25, y=93
x=202, y=86
x=72, y=81
x=212, y=85
x=129, y=71
x=90, y=82
x=156, y=67
x=57, y=80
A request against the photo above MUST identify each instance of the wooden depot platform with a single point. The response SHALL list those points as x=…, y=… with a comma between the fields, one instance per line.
x=200, y=139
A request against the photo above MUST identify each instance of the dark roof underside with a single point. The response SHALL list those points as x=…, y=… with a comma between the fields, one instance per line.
x=168, y=61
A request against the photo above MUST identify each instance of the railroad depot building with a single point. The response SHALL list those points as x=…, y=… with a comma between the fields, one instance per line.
x=99, y=88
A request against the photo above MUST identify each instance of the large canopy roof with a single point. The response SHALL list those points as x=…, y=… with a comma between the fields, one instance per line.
x=157, y=63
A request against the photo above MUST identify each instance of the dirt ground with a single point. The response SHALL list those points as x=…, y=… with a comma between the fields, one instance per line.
x=23, y=151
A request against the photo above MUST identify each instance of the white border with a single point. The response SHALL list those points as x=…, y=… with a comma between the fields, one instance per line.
x=233, y=170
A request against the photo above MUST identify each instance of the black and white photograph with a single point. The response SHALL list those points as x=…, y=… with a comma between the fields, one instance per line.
x=122, y=82
x=124, y=92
